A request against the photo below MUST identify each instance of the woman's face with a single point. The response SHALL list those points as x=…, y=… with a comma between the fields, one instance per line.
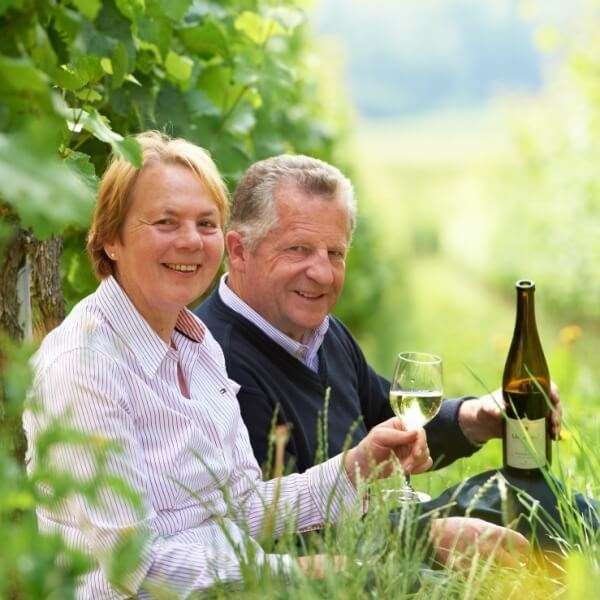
x=171, y=243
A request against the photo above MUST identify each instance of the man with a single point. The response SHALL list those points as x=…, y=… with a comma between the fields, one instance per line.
x=289, y=234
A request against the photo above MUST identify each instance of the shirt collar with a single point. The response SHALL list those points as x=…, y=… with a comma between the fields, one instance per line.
x=302, y=350
x=135, y=331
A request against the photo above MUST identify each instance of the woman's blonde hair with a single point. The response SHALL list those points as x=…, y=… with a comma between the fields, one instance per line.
x=118, y=181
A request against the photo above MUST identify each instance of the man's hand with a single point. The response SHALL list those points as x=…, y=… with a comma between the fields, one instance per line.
x=457, y=540
x=481, y=418
x=375, y=454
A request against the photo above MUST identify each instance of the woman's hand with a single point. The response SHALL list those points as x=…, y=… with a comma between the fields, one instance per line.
x=481, y=418
x=386, y=444
x=316, y=565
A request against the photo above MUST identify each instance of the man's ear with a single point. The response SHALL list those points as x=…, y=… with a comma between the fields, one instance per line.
x=236, y=251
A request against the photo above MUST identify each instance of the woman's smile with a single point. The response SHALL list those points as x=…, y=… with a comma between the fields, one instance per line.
x=183, y=268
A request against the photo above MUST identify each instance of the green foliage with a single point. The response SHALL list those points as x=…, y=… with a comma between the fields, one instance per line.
x=554, y=195
x=28, y=567
x=82, y=77
x=77, y=80
x=231, y=78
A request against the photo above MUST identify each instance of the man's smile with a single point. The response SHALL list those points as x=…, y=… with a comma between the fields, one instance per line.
x=309, y=295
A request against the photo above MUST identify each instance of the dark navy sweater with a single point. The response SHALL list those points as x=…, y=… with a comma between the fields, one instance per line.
x=273, y=382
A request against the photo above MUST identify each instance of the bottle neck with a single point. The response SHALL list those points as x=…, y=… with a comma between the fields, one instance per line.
x=526, y=311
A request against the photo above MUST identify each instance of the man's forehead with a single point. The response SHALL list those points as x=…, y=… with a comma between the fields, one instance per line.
x=293, y=202
x=318, y=230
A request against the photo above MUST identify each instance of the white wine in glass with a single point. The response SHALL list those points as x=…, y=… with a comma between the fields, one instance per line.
x=416, y=397
x=415, y=408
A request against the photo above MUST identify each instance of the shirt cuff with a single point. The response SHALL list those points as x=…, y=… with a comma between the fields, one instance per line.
x=282, y=564
x=331, y=490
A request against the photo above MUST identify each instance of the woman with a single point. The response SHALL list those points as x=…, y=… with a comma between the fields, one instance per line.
x=131, y=366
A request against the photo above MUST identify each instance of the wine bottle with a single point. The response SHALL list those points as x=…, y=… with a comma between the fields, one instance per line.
x=526, y=442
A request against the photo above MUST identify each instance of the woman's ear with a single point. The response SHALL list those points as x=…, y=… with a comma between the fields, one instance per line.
x=110, y=250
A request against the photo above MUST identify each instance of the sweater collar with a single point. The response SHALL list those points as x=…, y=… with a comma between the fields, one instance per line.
x=306, y=351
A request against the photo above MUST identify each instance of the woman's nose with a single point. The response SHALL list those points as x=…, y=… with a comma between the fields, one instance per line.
x=189, y=237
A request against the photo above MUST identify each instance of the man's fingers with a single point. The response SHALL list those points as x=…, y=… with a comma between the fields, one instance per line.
x=554, y=394
x=512, y=542
x=492, y=409
x=555, y=423
x=556, y=416
x=508, y=548
x=516, y=542
x=459, y=540
x=505, y=559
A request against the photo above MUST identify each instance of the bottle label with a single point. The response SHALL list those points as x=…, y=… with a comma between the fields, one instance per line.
x=525, y=443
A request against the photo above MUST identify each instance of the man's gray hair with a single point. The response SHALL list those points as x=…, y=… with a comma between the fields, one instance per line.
x=254, y=211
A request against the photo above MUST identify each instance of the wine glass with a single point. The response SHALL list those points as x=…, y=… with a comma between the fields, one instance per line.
x=415, y=398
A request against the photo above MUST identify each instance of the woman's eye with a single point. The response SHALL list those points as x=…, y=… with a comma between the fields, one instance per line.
x=207, y=224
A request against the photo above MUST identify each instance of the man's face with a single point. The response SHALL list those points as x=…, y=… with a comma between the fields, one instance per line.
x=296, y=273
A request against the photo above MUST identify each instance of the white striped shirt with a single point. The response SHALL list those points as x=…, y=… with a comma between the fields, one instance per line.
x=105, y=372
x=306, y=352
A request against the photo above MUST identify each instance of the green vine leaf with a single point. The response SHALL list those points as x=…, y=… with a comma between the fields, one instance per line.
x=242, y=120
x=156, y=31
x=175, y=10
x=179, y=67
x=132, y=9
x=80, y=163
x=6, y=4
x=88, y=8
x=206, y=40
x=258, y=29
x=288, y=17
x=93, y=122
x=119, y=63
x=46, y=193
x=20, y=74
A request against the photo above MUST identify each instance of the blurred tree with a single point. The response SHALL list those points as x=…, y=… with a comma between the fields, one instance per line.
x=551, y=203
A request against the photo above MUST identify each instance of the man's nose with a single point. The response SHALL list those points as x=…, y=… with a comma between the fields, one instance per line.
x=320, y=269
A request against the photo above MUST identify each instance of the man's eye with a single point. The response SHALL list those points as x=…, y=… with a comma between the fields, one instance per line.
x=337, y=254
x=165, y=222
x=300, y=249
